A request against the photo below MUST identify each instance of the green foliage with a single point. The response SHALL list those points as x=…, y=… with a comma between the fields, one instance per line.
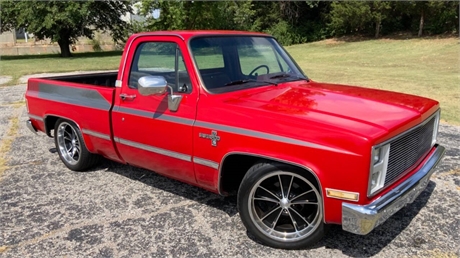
x=291, y=22
x=443, y=18
x=286, y=34
x=96, y=45
x=349, y=17
x=64, y=21
x=186, y=15
x=434, y=17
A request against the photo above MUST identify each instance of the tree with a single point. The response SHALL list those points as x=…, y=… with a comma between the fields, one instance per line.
x=379, y=10
x=194, y=15
x=360, y=17
x=349, y=17
x=64, y=21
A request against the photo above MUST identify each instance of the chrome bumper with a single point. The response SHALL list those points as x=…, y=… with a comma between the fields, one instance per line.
x=362, y=219
x=31, y=127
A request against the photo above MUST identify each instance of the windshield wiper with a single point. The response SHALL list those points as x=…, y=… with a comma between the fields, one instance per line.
x=238, y=82
x=285, y=75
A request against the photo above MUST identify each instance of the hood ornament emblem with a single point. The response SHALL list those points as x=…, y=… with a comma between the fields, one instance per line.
x=213, y=137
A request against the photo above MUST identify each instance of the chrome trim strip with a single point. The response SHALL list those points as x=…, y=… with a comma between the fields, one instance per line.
x=96, y=134
x=206, y=162
x=164, y=152
x=273, y=159
x=267, y=136
x=155, y=115
x=74, y=96
x=35, y=117
x=362, y=219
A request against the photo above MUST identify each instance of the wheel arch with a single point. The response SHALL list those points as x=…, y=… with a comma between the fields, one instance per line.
x=246, y=160
x=50, y=121
x=255, y=158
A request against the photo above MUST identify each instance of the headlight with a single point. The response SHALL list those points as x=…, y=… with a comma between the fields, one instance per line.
x=376, y=155
x=435, y=128
x=378, y=171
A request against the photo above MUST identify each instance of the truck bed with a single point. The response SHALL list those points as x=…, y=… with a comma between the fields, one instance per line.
x=86, y=100
x=100, y=79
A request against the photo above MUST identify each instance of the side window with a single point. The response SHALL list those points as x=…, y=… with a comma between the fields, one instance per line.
x=159, y=59
x=253, y=56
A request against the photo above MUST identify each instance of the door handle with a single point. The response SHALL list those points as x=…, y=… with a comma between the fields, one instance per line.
x=125, y=96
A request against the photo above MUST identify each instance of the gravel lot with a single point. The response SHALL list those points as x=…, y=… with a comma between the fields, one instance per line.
x=115, y=210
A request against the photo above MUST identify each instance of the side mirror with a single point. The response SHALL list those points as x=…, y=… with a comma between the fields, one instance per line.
x=157, y=85
x=152, y=85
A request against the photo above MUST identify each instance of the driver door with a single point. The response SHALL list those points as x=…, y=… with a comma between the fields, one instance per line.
x=147, y=133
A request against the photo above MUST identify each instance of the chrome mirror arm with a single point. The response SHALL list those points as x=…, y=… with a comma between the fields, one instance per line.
x=173, y=100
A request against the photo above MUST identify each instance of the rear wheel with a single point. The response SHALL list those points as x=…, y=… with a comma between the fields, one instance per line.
x=281, y=206
x=71, y=148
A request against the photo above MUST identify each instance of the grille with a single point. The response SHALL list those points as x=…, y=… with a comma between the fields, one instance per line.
x=407, y=149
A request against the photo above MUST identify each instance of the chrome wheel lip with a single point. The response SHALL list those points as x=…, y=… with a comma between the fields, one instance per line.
x=68, y=143
x=278, y=235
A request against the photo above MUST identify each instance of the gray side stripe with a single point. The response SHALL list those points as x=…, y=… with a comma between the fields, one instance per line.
x=267, y=136
x=206, y=162
x=96, y=134
x=76, y=96
x=159, y=116
x=155, y=149
x=39, y=118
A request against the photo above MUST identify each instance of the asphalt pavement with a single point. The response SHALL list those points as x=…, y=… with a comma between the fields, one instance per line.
x=116, y=210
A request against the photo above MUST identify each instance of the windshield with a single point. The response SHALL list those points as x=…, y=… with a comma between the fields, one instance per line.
x=240, y=62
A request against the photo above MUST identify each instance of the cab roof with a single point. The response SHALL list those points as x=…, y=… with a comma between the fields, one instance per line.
x=186, y=34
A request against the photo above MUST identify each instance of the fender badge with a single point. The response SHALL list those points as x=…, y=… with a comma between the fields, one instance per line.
x=213, y=137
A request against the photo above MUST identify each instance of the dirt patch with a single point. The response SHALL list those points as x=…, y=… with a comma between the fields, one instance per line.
x=5, y=79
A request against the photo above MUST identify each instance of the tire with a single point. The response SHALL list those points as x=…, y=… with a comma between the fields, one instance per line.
x=288, y=217
x=71, y=147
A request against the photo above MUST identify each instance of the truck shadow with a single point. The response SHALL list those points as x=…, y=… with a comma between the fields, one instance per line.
x=335, y=238
x=184, y=190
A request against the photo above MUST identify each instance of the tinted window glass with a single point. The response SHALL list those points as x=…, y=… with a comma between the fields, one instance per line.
x=209, y=57
x=229, y=63
x=159, y=59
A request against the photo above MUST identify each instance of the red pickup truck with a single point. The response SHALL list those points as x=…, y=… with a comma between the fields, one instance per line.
x=233, y=113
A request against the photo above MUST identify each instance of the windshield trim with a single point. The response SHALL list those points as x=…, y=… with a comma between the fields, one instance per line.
x=216, y=90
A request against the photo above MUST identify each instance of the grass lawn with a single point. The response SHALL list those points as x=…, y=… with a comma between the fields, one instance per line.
x=424, y=67
x=427, y=67
x=17, y=66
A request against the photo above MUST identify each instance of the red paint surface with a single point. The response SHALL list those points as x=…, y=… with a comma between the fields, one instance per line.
x=346, y=120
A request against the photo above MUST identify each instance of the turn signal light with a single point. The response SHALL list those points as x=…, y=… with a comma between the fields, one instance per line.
x=344, y=195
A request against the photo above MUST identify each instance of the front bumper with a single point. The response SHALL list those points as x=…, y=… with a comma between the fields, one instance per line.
x=362, y=219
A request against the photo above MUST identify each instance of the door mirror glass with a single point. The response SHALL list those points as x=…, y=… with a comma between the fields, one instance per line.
x=152, y=85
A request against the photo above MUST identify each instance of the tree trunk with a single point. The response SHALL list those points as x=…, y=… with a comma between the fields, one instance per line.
x=377, y=28
x=420, y=27
x=64, y=45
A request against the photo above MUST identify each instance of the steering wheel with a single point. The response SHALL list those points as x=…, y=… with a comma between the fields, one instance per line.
x=258, y=67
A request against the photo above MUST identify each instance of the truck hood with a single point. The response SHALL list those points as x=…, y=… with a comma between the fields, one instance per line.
x=356, y=109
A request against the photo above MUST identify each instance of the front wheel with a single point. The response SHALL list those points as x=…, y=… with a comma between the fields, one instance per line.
x=71, y=148
x=281, y=206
